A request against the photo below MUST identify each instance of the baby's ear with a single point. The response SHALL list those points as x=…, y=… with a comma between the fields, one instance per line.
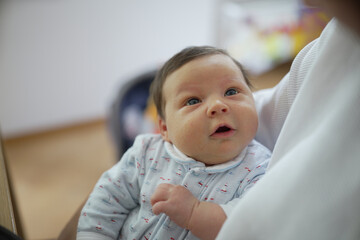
x=163, y=129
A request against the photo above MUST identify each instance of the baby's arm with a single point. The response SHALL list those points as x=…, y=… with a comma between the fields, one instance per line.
x=114, y=196
x=203, y=219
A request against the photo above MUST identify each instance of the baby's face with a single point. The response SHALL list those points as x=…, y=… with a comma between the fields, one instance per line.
x=209, y=110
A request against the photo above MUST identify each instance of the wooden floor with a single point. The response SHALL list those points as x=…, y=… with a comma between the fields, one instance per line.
x=53, y=172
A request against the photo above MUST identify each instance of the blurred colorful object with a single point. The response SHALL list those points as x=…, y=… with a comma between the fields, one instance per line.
x=264, y=33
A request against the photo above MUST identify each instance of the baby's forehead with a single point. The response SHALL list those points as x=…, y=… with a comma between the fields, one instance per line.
x=207, y=62
x=212, y=64
x=193, y=80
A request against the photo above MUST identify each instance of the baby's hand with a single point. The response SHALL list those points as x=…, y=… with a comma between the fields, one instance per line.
x=175, y=201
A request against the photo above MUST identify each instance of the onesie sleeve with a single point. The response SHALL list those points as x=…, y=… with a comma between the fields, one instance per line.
x=255, y=173
x=114, y=196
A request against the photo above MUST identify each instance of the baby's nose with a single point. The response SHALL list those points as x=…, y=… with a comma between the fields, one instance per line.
x=217, y=107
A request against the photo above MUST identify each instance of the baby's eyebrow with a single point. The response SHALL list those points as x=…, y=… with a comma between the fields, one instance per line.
x=234, y=80
x=185, y=93
x=188, y=88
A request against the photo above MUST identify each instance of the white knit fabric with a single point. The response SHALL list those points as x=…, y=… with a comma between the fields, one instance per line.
x=273, y=104
x=312, y=188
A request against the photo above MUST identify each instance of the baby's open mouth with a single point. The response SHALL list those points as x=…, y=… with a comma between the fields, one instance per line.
x=222, y=129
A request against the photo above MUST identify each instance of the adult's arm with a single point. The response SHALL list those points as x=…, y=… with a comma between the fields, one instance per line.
x=273, y=104
x=312, y=188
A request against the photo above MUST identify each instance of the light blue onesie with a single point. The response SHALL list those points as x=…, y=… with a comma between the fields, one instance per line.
x=119, y=206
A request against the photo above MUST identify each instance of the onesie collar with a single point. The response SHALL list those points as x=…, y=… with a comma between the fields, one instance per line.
x=181, y=158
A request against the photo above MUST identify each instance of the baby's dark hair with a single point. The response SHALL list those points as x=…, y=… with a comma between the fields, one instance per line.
x=177, y=61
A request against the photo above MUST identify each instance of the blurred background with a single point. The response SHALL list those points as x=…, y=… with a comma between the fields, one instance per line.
x=63, y=63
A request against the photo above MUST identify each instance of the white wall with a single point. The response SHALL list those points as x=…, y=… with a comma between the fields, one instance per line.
x=62, y=61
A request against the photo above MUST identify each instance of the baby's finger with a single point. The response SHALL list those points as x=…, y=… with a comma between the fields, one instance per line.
x=161, y=193
x=159, y=207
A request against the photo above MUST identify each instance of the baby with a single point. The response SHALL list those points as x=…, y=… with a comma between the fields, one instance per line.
x=183, y=182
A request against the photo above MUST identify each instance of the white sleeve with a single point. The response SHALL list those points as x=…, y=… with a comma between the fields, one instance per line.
x=273, y=104
x=312, y=187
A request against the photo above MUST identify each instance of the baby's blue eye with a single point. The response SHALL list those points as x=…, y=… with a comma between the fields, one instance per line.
x=231, y=91
x=192, y=101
